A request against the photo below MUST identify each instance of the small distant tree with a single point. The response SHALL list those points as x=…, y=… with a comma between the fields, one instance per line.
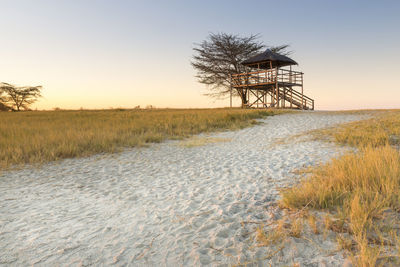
x=18, y=98
x=220, y=55
x=3, y=106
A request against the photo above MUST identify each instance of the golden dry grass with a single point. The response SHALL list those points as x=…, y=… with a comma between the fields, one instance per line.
x=202, y=141
x=383, y=128
x=361, y=189
x=277, y=234
x=373, y=170
x=42, y=136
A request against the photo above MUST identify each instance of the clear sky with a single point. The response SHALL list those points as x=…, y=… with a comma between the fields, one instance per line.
x=101, y=54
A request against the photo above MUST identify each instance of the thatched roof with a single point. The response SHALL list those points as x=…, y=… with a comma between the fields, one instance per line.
x=267, y=57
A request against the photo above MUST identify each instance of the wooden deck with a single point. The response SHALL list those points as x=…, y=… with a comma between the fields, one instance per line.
x=265, y=77
x=278, y=84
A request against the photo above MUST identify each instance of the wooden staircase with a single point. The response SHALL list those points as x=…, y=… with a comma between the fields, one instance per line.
x=295, y=99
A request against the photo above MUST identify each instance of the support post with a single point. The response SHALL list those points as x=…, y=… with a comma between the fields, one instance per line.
x=265, y=99
x=272, y=97
x=257, y=99
x=277, y=87
x=302, y=95
x=248, y=97
x=284, y=97
x=291, y=97
x=231, y=92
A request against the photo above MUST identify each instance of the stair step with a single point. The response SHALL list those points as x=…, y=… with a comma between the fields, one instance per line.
x=285, y=94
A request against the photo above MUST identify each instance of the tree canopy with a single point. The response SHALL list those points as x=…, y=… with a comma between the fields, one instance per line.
x=219, y=56
x=3, y=107
x=17, y=98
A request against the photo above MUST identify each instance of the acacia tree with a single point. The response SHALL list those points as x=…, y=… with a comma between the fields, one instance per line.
x=3, y=106
x=220, y=55
x=18, y=98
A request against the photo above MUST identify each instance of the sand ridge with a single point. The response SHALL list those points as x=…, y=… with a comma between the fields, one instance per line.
x=165, y=205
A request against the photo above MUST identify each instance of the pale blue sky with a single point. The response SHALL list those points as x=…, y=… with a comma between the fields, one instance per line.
x=100, y=54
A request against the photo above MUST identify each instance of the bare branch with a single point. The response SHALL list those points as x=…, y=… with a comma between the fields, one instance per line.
x=220, y=55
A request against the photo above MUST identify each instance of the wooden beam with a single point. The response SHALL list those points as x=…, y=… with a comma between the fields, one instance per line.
x=265, y=100
x=302, y=94
x=291, y=97
x=284, y=97
x=277, y=87
x=273, y=91
x=231, y=91
x=257, y=98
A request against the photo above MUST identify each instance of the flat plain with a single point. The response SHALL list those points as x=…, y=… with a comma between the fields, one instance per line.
x=167, y=203
x=43, y=136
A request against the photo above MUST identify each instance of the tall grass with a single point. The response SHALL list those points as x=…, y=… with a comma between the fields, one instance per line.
x=361, y=189
x=372, y=173
x=42, y=136
x=382, y=129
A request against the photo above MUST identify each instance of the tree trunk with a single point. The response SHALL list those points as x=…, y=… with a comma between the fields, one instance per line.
x=242, y=94
x=244, y=103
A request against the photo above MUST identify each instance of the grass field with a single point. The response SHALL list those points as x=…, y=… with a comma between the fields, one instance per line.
x=382, y=129
x=42, y=136
x=360, y=190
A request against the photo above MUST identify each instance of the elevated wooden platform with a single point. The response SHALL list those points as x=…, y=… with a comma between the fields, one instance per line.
x=273, y=87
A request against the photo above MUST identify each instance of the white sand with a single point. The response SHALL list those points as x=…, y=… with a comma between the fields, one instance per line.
x=163, y=205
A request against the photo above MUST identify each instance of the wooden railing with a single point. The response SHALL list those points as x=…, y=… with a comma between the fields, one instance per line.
x=290, y=76
x=296, y=98
x=269, y=76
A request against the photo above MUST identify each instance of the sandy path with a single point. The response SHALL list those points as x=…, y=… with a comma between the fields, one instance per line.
x=163, y=205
